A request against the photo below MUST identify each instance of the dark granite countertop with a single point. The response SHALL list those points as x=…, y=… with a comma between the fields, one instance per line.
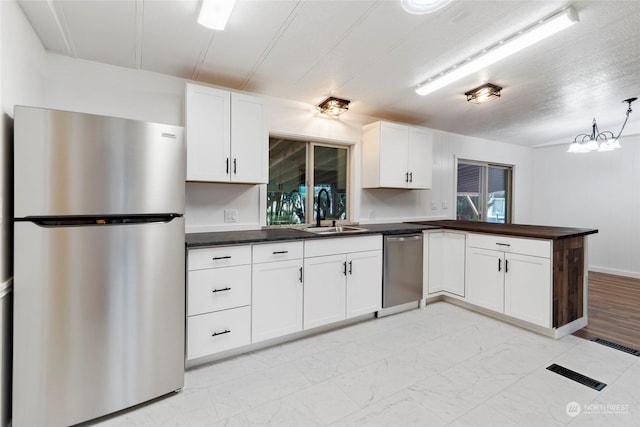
x=518, y=230
x=218, y=238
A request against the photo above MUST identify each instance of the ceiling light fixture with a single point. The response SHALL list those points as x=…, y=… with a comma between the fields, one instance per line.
x=516, y=42
x=334, y=106
x=483, y=93
x=423, y=7
x=214, y=14
x=599, y=141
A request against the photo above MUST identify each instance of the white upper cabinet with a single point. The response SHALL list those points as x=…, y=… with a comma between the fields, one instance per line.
x=227, y=136
x=396, y=156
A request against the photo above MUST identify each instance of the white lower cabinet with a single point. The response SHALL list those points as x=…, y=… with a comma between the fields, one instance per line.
x=485, y=278
x=218, y=331
x=339, y=286
x=324, y=290
x=218, y=299
x=277, y=299
x=528, y=289
x=364, y=283
x=444, y=261
x=516, y=284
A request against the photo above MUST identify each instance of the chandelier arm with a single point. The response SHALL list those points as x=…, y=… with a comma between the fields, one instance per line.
x=629, y=110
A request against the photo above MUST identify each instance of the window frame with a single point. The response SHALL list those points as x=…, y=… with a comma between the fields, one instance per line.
x=310, y=144
x=484, y=187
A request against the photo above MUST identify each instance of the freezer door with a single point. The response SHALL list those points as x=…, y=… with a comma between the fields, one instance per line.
x=72, y=164
x=99, y=315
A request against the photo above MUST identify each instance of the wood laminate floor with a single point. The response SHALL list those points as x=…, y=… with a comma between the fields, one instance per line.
x=614, y=309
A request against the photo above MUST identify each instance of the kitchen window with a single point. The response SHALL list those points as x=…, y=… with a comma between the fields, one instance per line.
x=484, y=192
x=289, y=200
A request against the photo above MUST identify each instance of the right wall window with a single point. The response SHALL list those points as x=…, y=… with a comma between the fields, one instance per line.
x=484, y=192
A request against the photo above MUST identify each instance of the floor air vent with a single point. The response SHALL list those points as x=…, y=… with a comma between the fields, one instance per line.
x=577, y=377
x=617, y=346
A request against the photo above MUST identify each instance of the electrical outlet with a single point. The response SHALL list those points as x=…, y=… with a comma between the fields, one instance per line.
x=445, y=205
x=230, y=215
x=434, y=206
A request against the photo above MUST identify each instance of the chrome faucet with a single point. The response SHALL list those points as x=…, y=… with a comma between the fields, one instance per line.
x=328, y=206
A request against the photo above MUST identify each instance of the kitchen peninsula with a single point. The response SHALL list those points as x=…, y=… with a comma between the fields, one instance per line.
x=531, y=276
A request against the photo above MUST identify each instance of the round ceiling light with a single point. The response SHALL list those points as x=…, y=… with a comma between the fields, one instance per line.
x=422, y=7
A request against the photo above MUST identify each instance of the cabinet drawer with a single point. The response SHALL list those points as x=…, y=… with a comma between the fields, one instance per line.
x=224, y=256
x=216, y=289
x=215, y=332
x=277, y=251
x=518, y=245
x=341, y=245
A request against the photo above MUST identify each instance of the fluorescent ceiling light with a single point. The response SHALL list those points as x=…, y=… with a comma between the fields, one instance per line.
x=500, y=50
x=214, y=14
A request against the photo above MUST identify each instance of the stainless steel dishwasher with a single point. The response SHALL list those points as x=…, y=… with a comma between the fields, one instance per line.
x=402, y=269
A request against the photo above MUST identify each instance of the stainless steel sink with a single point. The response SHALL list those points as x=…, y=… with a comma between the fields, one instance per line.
x=335, y=230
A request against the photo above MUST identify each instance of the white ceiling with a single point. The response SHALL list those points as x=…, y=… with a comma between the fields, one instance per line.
x=374, y=53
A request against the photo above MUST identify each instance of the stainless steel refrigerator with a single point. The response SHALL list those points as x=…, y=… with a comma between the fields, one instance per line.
x=98, y=265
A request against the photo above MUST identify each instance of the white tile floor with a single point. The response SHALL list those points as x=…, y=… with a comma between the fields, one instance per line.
x=437, y=366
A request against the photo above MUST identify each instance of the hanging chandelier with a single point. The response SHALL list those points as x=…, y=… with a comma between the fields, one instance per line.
x=599, y=141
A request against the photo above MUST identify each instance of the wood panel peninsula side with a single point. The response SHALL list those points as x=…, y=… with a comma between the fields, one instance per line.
x=568, y=269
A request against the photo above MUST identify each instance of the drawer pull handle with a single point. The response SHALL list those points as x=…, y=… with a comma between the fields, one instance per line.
x=226, y=331
x=217, y=258
x=300, y=274
x=221, y=290
x=503, y=244
x=351, y=267
x=344, y=268
x=280, y=252
x=506, y=265
x=499, y=264
x=410, y=176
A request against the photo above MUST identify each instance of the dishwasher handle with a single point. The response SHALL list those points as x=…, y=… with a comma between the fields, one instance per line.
x=403, y=237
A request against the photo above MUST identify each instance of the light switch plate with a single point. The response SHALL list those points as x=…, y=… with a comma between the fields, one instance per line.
x=230, y=215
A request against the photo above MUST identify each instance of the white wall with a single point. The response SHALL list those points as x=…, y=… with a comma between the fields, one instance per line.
x=594, y=190
x=22, y=61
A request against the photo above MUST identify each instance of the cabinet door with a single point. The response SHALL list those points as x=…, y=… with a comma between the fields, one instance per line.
x=364, y=283
x=394, y=151
x=249, y=139
x=207, y=126
x=277, y=299
x=420, y=158
x=434, y=272
x=453, y=262
x=324, y=290
x=527, y=288
x=485, y=278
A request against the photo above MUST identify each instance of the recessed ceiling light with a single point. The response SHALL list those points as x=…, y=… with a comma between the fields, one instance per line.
x=422, y=7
